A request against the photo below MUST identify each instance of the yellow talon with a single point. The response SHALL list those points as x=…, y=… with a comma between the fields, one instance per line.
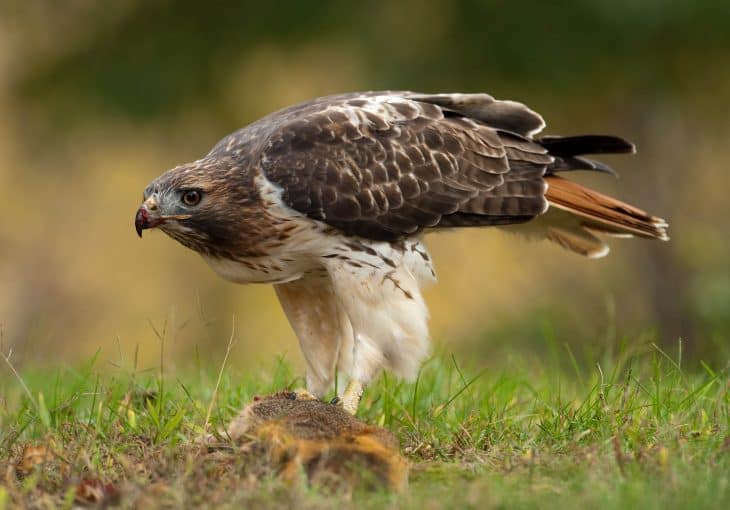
x=350, y=399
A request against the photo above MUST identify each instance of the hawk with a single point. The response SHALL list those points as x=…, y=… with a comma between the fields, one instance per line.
x=329, y=201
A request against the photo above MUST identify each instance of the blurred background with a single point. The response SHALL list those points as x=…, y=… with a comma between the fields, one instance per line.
x=98, y=98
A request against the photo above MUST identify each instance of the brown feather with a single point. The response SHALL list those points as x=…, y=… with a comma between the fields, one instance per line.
x=578, y=240
x=601, y=213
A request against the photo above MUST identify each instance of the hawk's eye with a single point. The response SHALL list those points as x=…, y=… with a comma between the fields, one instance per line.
x=191, y=197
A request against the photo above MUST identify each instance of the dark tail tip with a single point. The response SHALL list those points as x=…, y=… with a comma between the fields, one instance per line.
x=569, y=146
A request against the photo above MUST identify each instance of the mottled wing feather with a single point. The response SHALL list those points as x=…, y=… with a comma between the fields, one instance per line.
x=505, y=115
x=521, y=194
x=387, y=166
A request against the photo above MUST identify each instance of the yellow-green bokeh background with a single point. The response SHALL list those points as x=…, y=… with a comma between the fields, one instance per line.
x=98, y=98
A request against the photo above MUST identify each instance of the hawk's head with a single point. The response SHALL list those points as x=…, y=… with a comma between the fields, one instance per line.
x=196, y=204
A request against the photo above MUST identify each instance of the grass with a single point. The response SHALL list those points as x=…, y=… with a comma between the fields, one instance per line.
x=637, y=431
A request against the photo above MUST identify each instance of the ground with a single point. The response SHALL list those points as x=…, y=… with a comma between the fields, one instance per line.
x=637, y=430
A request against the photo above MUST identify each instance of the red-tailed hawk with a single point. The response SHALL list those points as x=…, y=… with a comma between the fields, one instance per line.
x=329, y=200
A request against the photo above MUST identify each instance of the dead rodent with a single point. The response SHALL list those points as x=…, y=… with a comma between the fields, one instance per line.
x=304, y=436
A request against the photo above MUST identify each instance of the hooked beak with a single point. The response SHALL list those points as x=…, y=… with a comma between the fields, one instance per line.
x=148, y=216
x=141, y=220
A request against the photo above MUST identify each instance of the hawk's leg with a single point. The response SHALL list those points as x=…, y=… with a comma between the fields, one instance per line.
x=320, y=325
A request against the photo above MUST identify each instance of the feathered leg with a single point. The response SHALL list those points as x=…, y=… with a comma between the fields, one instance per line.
x=320, y=324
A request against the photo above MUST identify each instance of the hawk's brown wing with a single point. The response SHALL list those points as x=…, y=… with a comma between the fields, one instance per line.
x=386, y=166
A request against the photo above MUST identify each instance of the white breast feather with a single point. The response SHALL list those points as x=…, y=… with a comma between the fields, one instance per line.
x=386, y=310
